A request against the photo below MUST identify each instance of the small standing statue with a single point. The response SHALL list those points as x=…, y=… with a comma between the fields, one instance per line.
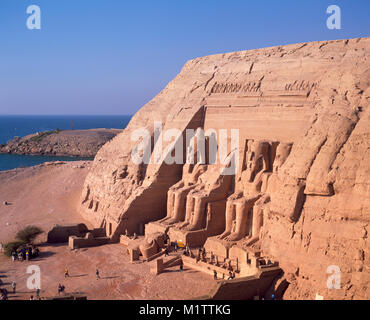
x=212, y=258
x=204, y=255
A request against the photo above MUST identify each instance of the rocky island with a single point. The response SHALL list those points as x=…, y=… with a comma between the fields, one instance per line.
x=74, y=143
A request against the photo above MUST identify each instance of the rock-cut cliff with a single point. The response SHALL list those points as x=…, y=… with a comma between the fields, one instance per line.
x=312, y=96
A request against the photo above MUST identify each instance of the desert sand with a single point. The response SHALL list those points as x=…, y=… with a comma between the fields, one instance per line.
x=44, y=195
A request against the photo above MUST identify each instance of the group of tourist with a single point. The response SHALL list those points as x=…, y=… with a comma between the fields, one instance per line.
x=37, y=295
x=4, y=292
x=25, y=253
x=202, y=256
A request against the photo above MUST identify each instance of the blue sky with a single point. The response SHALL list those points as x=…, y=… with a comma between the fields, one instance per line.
x=113, y=56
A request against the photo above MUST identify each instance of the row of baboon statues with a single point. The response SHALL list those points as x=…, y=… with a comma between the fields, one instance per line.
x=236, y=87
x=299, y=85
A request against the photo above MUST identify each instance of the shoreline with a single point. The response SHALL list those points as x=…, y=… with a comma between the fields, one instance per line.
x=33, y=161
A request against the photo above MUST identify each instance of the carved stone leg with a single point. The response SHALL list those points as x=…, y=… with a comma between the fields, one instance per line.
x=179, y=207
x=230, y=217
x=242, y=215
x=189, y=211
x=257, y=221
x=199, y=214
x=241, y=220
x=170, y=205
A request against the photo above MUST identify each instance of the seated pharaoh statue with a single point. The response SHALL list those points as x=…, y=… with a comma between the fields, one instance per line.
x=176, y=196
x=212, y=186
x=249, y=186
x=250, y=190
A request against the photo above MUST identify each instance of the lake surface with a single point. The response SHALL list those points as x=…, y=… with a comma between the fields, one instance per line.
x=20, y=126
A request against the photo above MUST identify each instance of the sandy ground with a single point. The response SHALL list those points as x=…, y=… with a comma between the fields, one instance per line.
x=43, y=196
x=49, y=194
x=120, y=279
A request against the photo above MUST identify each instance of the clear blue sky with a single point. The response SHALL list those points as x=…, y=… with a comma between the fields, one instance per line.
x=113, y=56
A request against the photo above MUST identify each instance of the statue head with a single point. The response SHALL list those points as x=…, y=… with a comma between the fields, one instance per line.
x=282, y=153
x=257, y=159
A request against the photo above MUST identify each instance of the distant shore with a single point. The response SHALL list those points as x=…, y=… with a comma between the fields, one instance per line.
x=72, y=143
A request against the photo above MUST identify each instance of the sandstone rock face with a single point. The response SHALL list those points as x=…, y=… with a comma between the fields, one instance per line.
x=310, y=99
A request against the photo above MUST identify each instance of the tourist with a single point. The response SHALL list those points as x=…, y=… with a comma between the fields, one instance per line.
x=66, y=273
x=27, y=255
x=97, y=274
x=215, y=274
x=187, y=250
x=37, y=293
x=63, y=288
x=197, y=258
x=14, y=256
x=59, y=288
x=4, y=292
x=167, y=239
x=181, y=266
x=3, y=295
x=166, y=252
x=35, y=252
x=14, y=286
x=230, y=276
x=31, y=298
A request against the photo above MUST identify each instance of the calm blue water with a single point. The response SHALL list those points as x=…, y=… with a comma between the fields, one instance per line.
x=12, y=126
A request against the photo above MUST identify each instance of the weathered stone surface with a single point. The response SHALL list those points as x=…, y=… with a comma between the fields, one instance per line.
x=315, y=205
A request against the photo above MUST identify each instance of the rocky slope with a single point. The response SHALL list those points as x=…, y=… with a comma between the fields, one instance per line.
x=79, y=143
x=313, y=95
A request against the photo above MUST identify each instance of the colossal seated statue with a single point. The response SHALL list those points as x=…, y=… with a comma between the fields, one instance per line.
x=176, y=196
x=250, y=197
x=212, y=186
x=248, y=189
x=282, y=153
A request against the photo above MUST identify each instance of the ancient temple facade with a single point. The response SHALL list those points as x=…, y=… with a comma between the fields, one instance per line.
x=302, y=117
